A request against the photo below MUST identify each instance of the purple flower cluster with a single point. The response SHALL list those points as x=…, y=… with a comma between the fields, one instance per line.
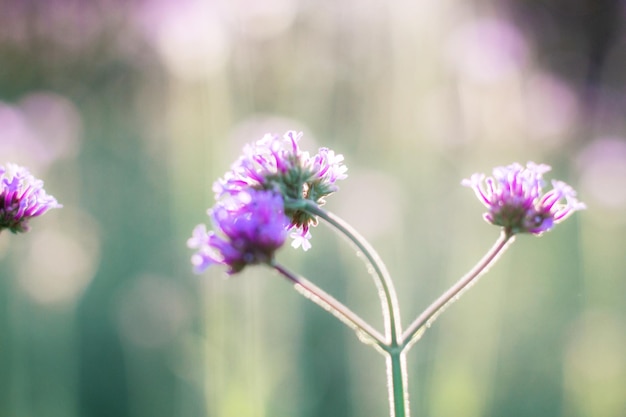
x=278, y=164
x=252, y=226
x=260, y=201
x=22, y=197
x=515, y=200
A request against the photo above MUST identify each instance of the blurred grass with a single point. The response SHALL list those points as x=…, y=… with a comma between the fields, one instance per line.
x=416, y=101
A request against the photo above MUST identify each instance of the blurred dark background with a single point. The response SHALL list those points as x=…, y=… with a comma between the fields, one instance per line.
x=129, y=110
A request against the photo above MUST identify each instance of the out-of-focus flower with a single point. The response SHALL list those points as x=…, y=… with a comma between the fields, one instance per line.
x=252, y=226
x=487, y=50
x=278, y=164
x=602, y=166
x=22, y=197
x=191, y=36
x=515, y=198
x=40, y=129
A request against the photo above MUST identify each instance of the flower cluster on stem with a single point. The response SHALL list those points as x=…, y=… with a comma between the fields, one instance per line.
x=278, y=164
x=515, y=200
x=261, y=199
x=22, y=197
x=275, y=188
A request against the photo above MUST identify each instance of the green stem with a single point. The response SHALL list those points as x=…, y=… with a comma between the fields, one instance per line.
x=387, y=292
x=398, y=380
x=311, y=291
x=424, y=320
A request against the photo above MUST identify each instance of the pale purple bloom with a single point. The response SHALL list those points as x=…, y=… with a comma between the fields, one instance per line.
x=278, y=164
x=515, y=198
x=251, y=226
x=22, y=197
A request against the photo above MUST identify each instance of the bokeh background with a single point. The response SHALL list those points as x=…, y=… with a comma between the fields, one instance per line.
x=129, y=110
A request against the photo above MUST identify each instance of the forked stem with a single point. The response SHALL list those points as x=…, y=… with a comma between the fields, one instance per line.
x=395, y=343
x=395, y=358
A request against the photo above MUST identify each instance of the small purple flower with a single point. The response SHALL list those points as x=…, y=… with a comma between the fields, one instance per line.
x=252, y=225
x=278, y=164
x=22, y=197
x=515, y=198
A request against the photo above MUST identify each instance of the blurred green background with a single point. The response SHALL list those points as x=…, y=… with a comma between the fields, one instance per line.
x=129, y=110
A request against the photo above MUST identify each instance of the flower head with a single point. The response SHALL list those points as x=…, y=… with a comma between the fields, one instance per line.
x=22, y=197
x=515, y=199
x=252, y=225
x=278, y=164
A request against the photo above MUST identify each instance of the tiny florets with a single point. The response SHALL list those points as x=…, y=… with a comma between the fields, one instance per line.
x=515, y=199
x=251, y=226
x=278, y=164
x=22, y=197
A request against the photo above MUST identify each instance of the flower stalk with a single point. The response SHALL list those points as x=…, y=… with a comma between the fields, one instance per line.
x=416, y=329
x=398, y=383
x=387, y=292
x=398, y=344
x=320, y=297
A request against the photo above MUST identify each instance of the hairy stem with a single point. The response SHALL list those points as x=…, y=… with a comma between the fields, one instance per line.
x=419, y=325
x=397, y=382
x=311, y=291
x=386, y=289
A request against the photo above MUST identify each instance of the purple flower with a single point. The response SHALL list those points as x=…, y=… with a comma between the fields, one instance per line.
x=22, y=197
x=252, y=225
x=515, y=198
x=278, y=164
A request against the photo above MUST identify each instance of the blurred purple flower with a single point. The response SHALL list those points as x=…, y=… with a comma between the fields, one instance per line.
x=278, y=164
x=515, y=199
x=252, y=226
x=40, y=129
x=22, y=197
x=487, y=50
